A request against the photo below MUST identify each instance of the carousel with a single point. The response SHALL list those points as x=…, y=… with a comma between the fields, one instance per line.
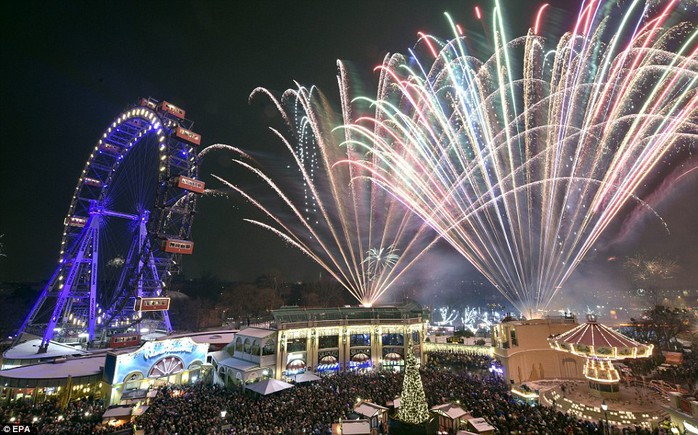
x=600, y=346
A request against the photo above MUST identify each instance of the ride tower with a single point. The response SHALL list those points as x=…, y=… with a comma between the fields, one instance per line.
x=128, y=224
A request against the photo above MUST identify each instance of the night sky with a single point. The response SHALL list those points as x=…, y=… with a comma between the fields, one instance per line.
x=69, y=68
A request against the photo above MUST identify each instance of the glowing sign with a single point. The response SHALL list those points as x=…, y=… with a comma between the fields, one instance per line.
x=119, y=366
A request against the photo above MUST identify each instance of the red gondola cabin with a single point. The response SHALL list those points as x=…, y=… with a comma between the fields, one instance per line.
x=188, y=136
x=190, y=184
x=175, y=246
x=124, y=340
x=152, y=304
x=172, y=109
x=147, y=103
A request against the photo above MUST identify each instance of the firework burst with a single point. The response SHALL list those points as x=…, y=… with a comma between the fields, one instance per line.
x=335, y=215
x=522, y=160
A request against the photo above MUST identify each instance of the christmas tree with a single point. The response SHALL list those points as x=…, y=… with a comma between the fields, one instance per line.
x=413, y=406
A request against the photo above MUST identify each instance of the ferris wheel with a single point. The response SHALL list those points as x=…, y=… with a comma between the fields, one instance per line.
x=128, y=224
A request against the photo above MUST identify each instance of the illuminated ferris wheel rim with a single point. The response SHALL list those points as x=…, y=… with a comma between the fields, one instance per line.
x=142, y=114
x=147, y=119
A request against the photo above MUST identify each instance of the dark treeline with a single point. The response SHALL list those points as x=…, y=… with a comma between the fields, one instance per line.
x=208, y=302
x=200, y=303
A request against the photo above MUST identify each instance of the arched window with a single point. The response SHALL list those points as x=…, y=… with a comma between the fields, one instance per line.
x=393, y=357
x=329, y=359
x=238, y=344
x=295, y=366
x=360, y=357
x=255, y=347
x=248, y=345
x=269, y=348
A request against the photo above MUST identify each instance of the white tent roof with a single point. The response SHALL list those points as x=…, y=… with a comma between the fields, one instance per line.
x=395, y=403
x=368, y=409
x=452, y=410
x=29, y=350
x=356, y=427
x=256, y=332
x=480, y=424
x=123, y=411
x=119, y=411
x=307, y=377
x=85, y=366
x=269, y=386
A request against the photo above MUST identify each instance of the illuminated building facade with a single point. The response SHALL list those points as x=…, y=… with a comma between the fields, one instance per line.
x=324, y=340
x=521, y=346
x=129, y=375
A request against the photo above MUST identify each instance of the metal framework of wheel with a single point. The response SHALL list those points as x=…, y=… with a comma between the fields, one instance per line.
x=127, y=226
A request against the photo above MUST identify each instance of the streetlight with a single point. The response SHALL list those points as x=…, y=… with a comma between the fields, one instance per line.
x=604, y=407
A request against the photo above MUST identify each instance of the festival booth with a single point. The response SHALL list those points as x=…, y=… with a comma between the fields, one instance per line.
x=120, y=415
x=451, y=417
x=130, y=374
x=376, y=415
x=481, y=426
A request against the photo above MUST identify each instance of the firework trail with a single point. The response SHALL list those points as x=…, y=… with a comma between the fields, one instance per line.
x=522, y=160
x=358, y=232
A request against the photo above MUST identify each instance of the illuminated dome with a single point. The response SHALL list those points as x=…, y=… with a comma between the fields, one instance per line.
x=599, y=345
x=594, y=340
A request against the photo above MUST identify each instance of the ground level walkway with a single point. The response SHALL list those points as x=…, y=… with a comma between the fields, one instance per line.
x=636, y=406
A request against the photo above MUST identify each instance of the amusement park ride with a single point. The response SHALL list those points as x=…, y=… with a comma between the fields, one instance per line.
x=127, y=227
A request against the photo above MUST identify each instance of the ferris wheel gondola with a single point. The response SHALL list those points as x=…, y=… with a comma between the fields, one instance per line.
x=128, y=224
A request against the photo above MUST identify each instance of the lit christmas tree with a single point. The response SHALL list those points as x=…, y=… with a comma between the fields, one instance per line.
x=413, y=406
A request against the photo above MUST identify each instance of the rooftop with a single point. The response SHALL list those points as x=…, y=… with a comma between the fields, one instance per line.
x=480, y=424
x=356, y=427
x=255, y=333
x=29, y=350
x=369, y=409
x=452, y=410
x=409, y=309
x=62, y=368
x=594, y=338
x=223, y=358
x=210, y=337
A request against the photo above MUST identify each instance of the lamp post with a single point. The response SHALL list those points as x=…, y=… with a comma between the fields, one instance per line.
x=604, y=407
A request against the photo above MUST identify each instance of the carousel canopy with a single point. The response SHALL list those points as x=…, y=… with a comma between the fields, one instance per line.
x=594, y=340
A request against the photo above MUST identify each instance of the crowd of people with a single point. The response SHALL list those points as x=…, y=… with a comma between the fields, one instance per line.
x=465, y=360
x=79, y=417
x=311, y=408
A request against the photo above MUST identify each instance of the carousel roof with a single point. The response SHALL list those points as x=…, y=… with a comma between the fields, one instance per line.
x=592, y=339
